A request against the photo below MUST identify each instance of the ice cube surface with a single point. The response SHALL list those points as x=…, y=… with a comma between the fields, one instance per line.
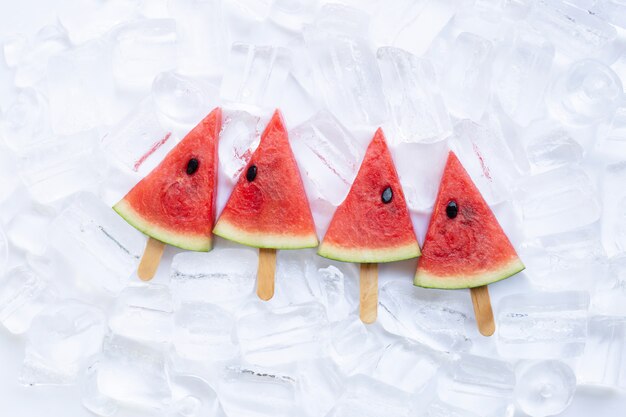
x=544, y=388
x=437, y=318
x=143, y=49
x=415, y=105
x=282, y=335
x=144, y=313
x=246, y=390
x=134, y=373
x=101, y=248
x=256, y=75
x=345, y=66
x=225, y=277
x=602, y=362
x=60, y=340
x=543, y=325
x=23, y=295
x=328, y=157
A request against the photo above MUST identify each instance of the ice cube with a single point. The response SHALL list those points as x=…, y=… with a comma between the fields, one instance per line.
x=548, y=145
x=224, y=276
x=439, y=408
x=134, y=373
x=437, y=318
x=415, y=105
x=281, y=335
x=24, y=231
x=92, y=399
x=182, y=99
x=587, y=93
x=80, y=88
x=203, y=331
x=60, y=168
x=614, y=215
x=345, y=67
x=367, y=397
x=140, y=141
x=4, y=251
x=491, y=156
x=542, y=325
x=328, y=157
x=202, y=36
x=521, y=74
x=557, y=201
x=320, y=383
x=573, y=31
x=603, y=359
x=411, y=25
x=141, y=50
x=544, y=388
x=23, y=295
x=14, y=48
x=49, y=41
x=292, y=14
x=301, y=277
x=408, y=365
x=26, y=122
x=250, y=391
x=60, y=340
x=478, y=384
x=257, y=9
x=100, y=246
x=144, y=313
x=193, y=397
x=419, y=167
x=256, y=75
x=560, y=261
x=466, y=83
x=89, y=19
x=613, y=11
x=353, y=348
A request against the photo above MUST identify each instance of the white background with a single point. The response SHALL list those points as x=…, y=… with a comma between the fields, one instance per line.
x=26, y=16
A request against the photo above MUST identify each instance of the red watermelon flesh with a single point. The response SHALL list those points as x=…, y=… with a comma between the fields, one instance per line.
x=368, y=226
x=469, y=249
x=268, y=207
x=175, y=203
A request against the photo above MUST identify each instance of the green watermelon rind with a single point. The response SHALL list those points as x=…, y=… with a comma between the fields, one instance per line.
x=265, y=240
x=197, y=243
x=454, y=282
x=369, y=255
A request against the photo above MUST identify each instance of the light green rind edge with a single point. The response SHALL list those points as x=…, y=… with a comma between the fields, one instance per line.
x=426, y=280
x=183, y=241
x=229, y=231
x=366, y=256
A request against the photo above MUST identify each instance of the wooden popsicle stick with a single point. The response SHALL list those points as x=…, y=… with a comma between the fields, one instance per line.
x=265, y=276
x=150, y=259
x=368, y=306
x=483, y=311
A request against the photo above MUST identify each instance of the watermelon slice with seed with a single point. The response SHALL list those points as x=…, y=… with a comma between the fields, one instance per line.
x=465, y=246
x=268, y=207
x=372, y=224
x=175, y=203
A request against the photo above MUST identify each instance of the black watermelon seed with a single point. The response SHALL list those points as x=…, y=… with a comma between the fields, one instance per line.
x=387, y=195
x=452, y=209
x=251, y=173
x=192, y=166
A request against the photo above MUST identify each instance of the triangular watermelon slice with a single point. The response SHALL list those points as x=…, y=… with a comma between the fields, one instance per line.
x=465, y=246
x=268, y=207
x=175, y=203
x=372, y=224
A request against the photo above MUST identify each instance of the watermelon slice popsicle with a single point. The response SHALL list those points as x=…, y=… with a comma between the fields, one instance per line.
x=268, y=207
x=175, y=203
x=465, y=247
x=372, y=225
